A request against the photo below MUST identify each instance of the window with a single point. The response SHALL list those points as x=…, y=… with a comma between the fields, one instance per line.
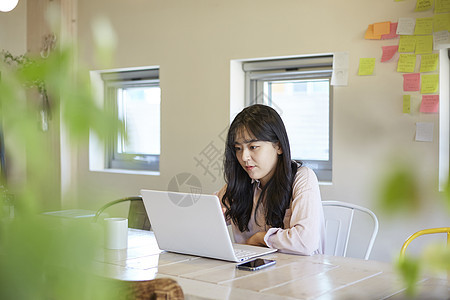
x=300, y=90
x=135, y=97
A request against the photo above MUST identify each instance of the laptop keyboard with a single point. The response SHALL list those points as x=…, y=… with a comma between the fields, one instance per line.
x=243, y=254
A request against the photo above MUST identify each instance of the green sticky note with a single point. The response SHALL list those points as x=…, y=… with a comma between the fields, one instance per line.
x=424, y=26
x=406, y=104
x=424, y=44
x=423, y=5
x=406, y=63
x=366, y=66
x=429, y=84
x=441, y=6
x=429, y=62
x=441, y=22
x=407, y=43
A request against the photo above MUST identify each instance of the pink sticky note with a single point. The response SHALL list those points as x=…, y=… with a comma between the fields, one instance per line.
x=392, y=34
x=388, y=52
x=411, y=82
x=430, y=104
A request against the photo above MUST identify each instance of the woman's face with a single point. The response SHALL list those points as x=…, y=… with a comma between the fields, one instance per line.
x=258, y=158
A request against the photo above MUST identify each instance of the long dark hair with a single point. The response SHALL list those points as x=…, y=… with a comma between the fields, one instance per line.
x=265, y=124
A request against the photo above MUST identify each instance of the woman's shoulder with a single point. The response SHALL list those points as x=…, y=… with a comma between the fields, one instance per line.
x=305, y=178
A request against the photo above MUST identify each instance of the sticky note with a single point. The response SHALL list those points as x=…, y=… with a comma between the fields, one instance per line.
x=442, y=6
x=429, y=83
x=441, y=40
x=392, y=32
x=406, y=63
x=406, y=26
x=424, y=26
x=424, y=44
x=423, y=5
x=382, y=28
x=370, y=35
x=430, y=104
x=406, y=104
x=441, y=22
x=388, y=52
x=407, y=43
x=424, y=131
x=411, y=82
x=366, y=66
x=429, y=62
x=341, y=60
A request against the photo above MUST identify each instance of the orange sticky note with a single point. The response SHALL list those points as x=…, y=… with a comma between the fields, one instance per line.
x=370, y=35
x=430, y=104
x=381, y=28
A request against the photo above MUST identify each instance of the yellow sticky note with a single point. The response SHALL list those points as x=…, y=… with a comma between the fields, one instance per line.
x=441, y=22
x=382, y=28
x=370, y=35
x=406, y=104
x=442, y=6
x=423, y=5
x=424, y=26
x=407, y=43
x=406, y=63
x=429, y=62
x=424, y=44
x=429, y=83
x=366, y=66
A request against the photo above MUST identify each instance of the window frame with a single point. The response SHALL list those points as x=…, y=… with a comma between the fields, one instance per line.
x=312, y=67
x=127, y=79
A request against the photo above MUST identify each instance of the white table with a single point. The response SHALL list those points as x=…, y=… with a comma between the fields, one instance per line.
x=293, y=276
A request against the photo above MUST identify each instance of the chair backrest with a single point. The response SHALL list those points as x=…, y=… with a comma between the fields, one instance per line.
x=338, y=226
x=423, y=232
x=137, y=215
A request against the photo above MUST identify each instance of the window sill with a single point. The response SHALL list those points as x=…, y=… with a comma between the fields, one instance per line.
x=325, y=183
x=129, y=172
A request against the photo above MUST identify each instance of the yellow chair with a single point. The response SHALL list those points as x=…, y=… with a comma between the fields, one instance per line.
x=423, y=232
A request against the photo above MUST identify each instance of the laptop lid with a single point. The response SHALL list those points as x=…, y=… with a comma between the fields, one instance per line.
x=190, y=223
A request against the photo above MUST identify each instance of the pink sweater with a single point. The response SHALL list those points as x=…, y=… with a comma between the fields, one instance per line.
x=304, y=231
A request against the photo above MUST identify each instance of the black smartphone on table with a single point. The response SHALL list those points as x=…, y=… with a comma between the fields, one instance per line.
x=256, y=264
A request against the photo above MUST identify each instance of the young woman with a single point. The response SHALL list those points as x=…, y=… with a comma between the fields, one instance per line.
x=269, y=199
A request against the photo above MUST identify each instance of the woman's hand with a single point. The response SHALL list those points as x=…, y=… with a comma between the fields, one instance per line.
x=257, y=239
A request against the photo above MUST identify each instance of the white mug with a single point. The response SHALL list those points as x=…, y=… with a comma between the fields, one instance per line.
x=116, y=233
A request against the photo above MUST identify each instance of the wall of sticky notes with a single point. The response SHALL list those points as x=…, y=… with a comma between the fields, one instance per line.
x=419, y=40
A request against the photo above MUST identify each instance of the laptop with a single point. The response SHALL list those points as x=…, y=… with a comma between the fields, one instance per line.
x=194, y=224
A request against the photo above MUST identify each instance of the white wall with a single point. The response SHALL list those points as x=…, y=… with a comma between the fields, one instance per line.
x=194, y=41
x=13, y=27
x=13, y=38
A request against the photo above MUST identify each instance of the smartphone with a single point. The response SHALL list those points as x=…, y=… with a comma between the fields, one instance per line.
x=256, y=264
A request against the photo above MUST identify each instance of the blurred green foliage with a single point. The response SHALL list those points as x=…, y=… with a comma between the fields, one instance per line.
x=409, y=269
x=402, y=193
x=44, y=257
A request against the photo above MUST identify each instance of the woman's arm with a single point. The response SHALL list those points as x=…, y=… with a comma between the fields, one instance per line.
x=257, y=239
x=304, y=225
